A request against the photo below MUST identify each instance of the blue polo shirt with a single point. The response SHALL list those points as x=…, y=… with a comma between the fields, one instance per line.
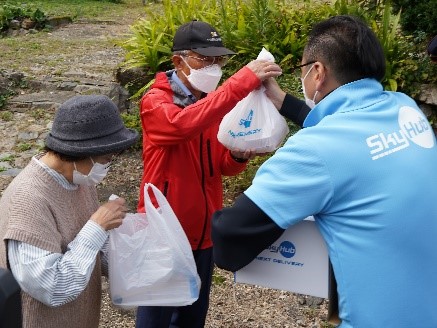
x=365, y=167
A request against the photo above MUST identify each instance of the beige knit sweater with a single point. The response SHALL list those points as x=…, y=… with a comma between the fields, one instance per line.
x=37, y=210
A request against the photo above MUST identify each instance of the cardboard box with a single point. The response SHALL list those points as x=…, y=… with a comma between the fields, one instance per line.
x=298, y=262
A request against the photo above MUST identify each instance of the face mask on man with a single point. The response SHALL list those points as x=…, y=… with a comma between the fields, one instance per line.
x=204, y=79
x=96, y=174
x=310, y=102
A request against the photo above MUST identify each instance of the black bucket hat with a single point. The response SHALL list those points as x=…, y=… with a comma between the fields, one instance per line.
x=199, y=37
x=89, y=126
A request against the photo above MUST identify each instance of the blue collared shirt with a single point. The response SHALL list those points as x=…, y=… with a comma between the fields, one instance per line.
x=178, y=81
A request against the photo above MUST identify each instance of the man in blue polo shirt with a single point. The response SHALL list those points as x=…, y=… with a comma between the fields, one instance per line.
x=365, y=167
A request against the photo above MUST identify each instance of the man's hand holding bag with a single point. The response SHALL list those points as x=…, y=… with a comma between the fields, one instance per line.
x=254, y=123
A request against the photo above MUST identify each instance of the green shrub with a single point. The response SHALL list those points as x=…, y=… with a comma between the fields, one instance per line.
x=10, y=12
x=132, y=121
x=39, y=17
x=280, y=26
x=418, y=16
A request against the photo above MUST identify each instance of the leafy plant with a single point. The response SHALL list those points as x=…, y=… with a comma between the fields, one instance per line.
x=10, y=12
x=132, y=121
x=418, y=16
x=389, y=33
x=8, y=158
x=280, y=26
x=6, y=115
x=3, y=100
x=23, y=146
x=39, y=17
x=151, y=39
x=38, y=113
x=149, y=45
x=217, y=279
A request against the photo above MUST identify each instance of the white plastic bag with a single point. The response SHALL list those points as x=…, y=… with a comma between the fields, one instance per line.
x=150, y=259
x=254, y=123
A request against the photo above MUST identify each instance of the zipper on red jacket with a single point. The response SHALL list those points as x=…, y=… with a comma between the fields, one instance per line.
x=211, y=168
x=202, y=238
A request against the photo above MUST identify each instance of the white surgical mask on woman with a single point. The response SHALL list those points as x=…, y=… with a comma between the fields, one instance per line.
x=204, y=79
x=310, y=102
x=96, y=174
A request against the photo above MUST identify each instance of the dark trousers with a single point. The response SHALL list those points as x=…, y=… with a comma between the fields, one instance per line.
x=190, y=316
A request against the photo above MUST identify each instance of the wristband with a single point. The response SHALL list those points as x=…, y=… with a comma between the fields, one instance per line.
x=239, y=160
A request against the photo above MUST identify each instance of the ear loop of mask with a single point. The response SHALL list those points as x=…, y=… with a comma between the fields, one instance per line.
x=311, y=103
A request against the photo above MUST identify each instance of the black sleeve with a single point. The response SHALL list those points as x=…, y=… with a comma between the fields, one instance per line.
x=294, y=109
x=240, y=233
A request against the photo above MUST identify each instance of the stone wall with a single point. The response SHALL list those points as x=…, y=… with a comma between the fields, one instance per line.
x=27, y=94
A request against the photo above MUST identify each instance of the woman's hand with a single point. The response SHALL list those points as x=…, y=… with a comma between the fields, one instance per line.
x=111, y=214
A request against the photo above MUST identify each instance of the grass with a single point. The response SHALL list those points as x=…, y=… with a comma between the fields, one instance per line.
x=6, y=116
x=8, y=158
x=23, y=146
x=28, y=52
x=101, y=10
x=44, y=53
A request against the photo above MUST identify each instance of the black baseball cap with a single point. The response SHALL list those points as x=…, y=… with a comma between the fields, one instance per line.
x=199, y=37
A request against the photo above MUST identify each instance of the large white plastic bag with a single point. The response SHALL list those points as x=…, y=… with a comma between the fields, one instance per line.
x=254, y=123
x=150, y=259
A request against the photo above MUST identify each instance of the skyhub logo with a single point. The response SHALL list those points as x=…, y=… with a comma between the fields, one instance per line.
x=413, y=127
x=246, y=123
x=286, y=249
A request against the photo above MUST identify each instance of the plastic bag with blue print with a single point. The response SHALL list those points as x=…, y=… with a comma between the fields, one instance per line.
x=150, y=259
x=254, y=123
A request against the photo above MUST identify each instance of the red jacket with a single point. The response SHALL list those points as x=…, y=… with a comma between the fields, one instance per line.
x=181, y=153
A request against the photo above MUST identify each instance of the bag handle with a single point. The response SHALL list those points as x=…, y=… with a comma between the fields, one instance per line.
x=160, y=198
x=172, y=223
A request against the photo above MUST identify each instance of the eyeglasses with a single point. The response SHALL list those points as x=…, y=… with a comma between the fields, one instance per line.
x=211, y=60
x=297, y=70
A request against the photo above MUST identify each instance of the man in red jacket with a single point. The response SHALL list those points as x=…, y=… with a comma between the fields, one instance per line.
x=180, y=117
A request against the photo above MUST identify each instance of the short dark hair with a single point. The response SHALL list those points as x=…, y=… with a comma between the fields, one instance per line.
x=349, y=47
x=64, y=157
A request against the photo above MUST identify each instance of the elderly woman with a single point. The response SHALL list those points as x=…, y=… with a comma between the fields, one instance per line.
x=52, y=226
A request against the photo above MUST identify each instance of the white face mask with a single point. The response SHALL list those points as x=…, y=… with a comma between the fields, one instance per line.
x=96, y=174
x=310, y=102
x=205, y=79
